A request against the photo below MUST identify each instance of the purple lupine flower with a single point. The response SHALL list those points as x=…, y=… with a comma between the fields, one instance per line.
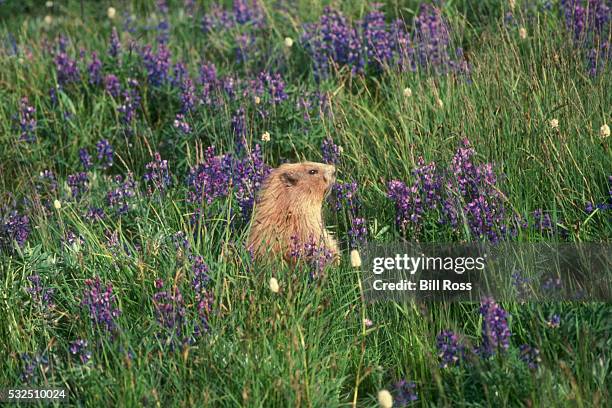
x=157, y=176
x=163, y=27
x=189, y=7
x=239, y=128
x=495, y=331
x=245, y=42
x=33, y=365
x=358, y=232
x=589, y=21
x=171, y=316
x=72, y=239
x=217, y=19
x=112, y=85
x=530, y=355
x=450, y=350
x=311, y=253
x=330, y=151
x=27, y=121
x=554, y=322
x=247, y=177
x=333, y=40
x=543, y=222
x=41, y=296
x=120, y=197
x=105, y=153
x=48, y=180
x=209, y=81
x=101, y=304
x=377, y=39
x=551, y=284
x=95, y=69
x=181, y=243
x=188, y=97
x=521, y=284
x=115, y=44
x=94, y=214
x=78, y=348
x=200, y=274
x=157, y=64
x=404, y=393
x=85, y=159
x=432, y=38
x=275, y=86
x=245, y=13
x=67, y=69
x=131, y=102
x=181, y=124
x=179, y=74
x=78, y=183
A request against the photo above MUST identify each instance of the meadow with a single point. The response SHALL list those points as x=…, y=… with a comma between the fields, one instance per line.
x=135, y=135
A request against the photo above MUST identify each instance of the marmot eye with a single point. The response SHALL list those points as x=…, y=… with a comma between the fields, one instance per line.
x=313, y=171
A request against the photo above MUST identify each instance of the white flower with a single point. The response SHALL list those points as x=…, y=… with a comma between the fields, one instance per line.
x=48, y=19
x=288, y=42
x=367, y=322
x=385, y=400
x=265, y=137
x=604, y=131
x=355, y=259
x=57, y=204
x=49, y=4
x=257, y=100
x=522, y=33
x=439, y=103
x=407, y=92
x=274, y=286
x=554, y=123
x=111, y=12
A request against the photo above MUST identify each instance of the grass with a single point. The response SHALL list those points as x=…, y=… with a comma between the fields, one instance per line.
x=307, y=345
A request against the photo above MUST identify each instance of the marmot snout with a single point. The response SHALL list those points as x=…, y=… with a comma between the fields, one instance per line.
x=289, y=208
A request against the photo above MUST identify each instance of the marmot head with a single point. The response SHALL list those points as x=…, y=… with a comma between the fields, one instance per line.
x=307, y=179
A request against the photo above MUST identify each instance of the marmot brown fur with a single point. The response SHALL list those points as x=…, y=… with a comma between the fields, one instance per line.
x=289, y=209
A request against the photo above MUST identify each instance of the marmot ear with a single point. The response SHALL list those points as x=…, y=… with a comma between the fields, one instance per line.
x=288, y=178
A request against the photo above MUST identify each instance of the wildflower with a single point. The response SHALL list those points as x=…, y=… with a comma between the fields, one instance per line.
x=105, y=153
x=407, y=92
x=495, y=331
x=554, y=321
x=450, y=350
x=355, y=259
x=94, y=68
x=257, y=100
x=530, y=355
x=274, y=286
x=112, y=86
x=331, y=152
x=41, y=296
x=265, y=137
x=111, y=12
x=57, y=204
x=522, y=33
x=101, y=304
x=119, y=198
x=385, y=400
x=181, y=124
x=27, y=121
x=157, y=176
x=78, y=184
x=49, y=4
x=33, y=365
x=85, y=159
x=48, y=19
x=439, y=103
x=288, y=42
x=604, y=131
x=14, y=227
x=554, y=124
x=79, y=348
x=115, y=44
x=404, y=393
x=367, y=322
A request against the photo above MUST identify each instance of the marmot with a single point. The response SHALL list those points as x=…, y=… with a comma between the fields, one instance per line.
x=289, y=209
